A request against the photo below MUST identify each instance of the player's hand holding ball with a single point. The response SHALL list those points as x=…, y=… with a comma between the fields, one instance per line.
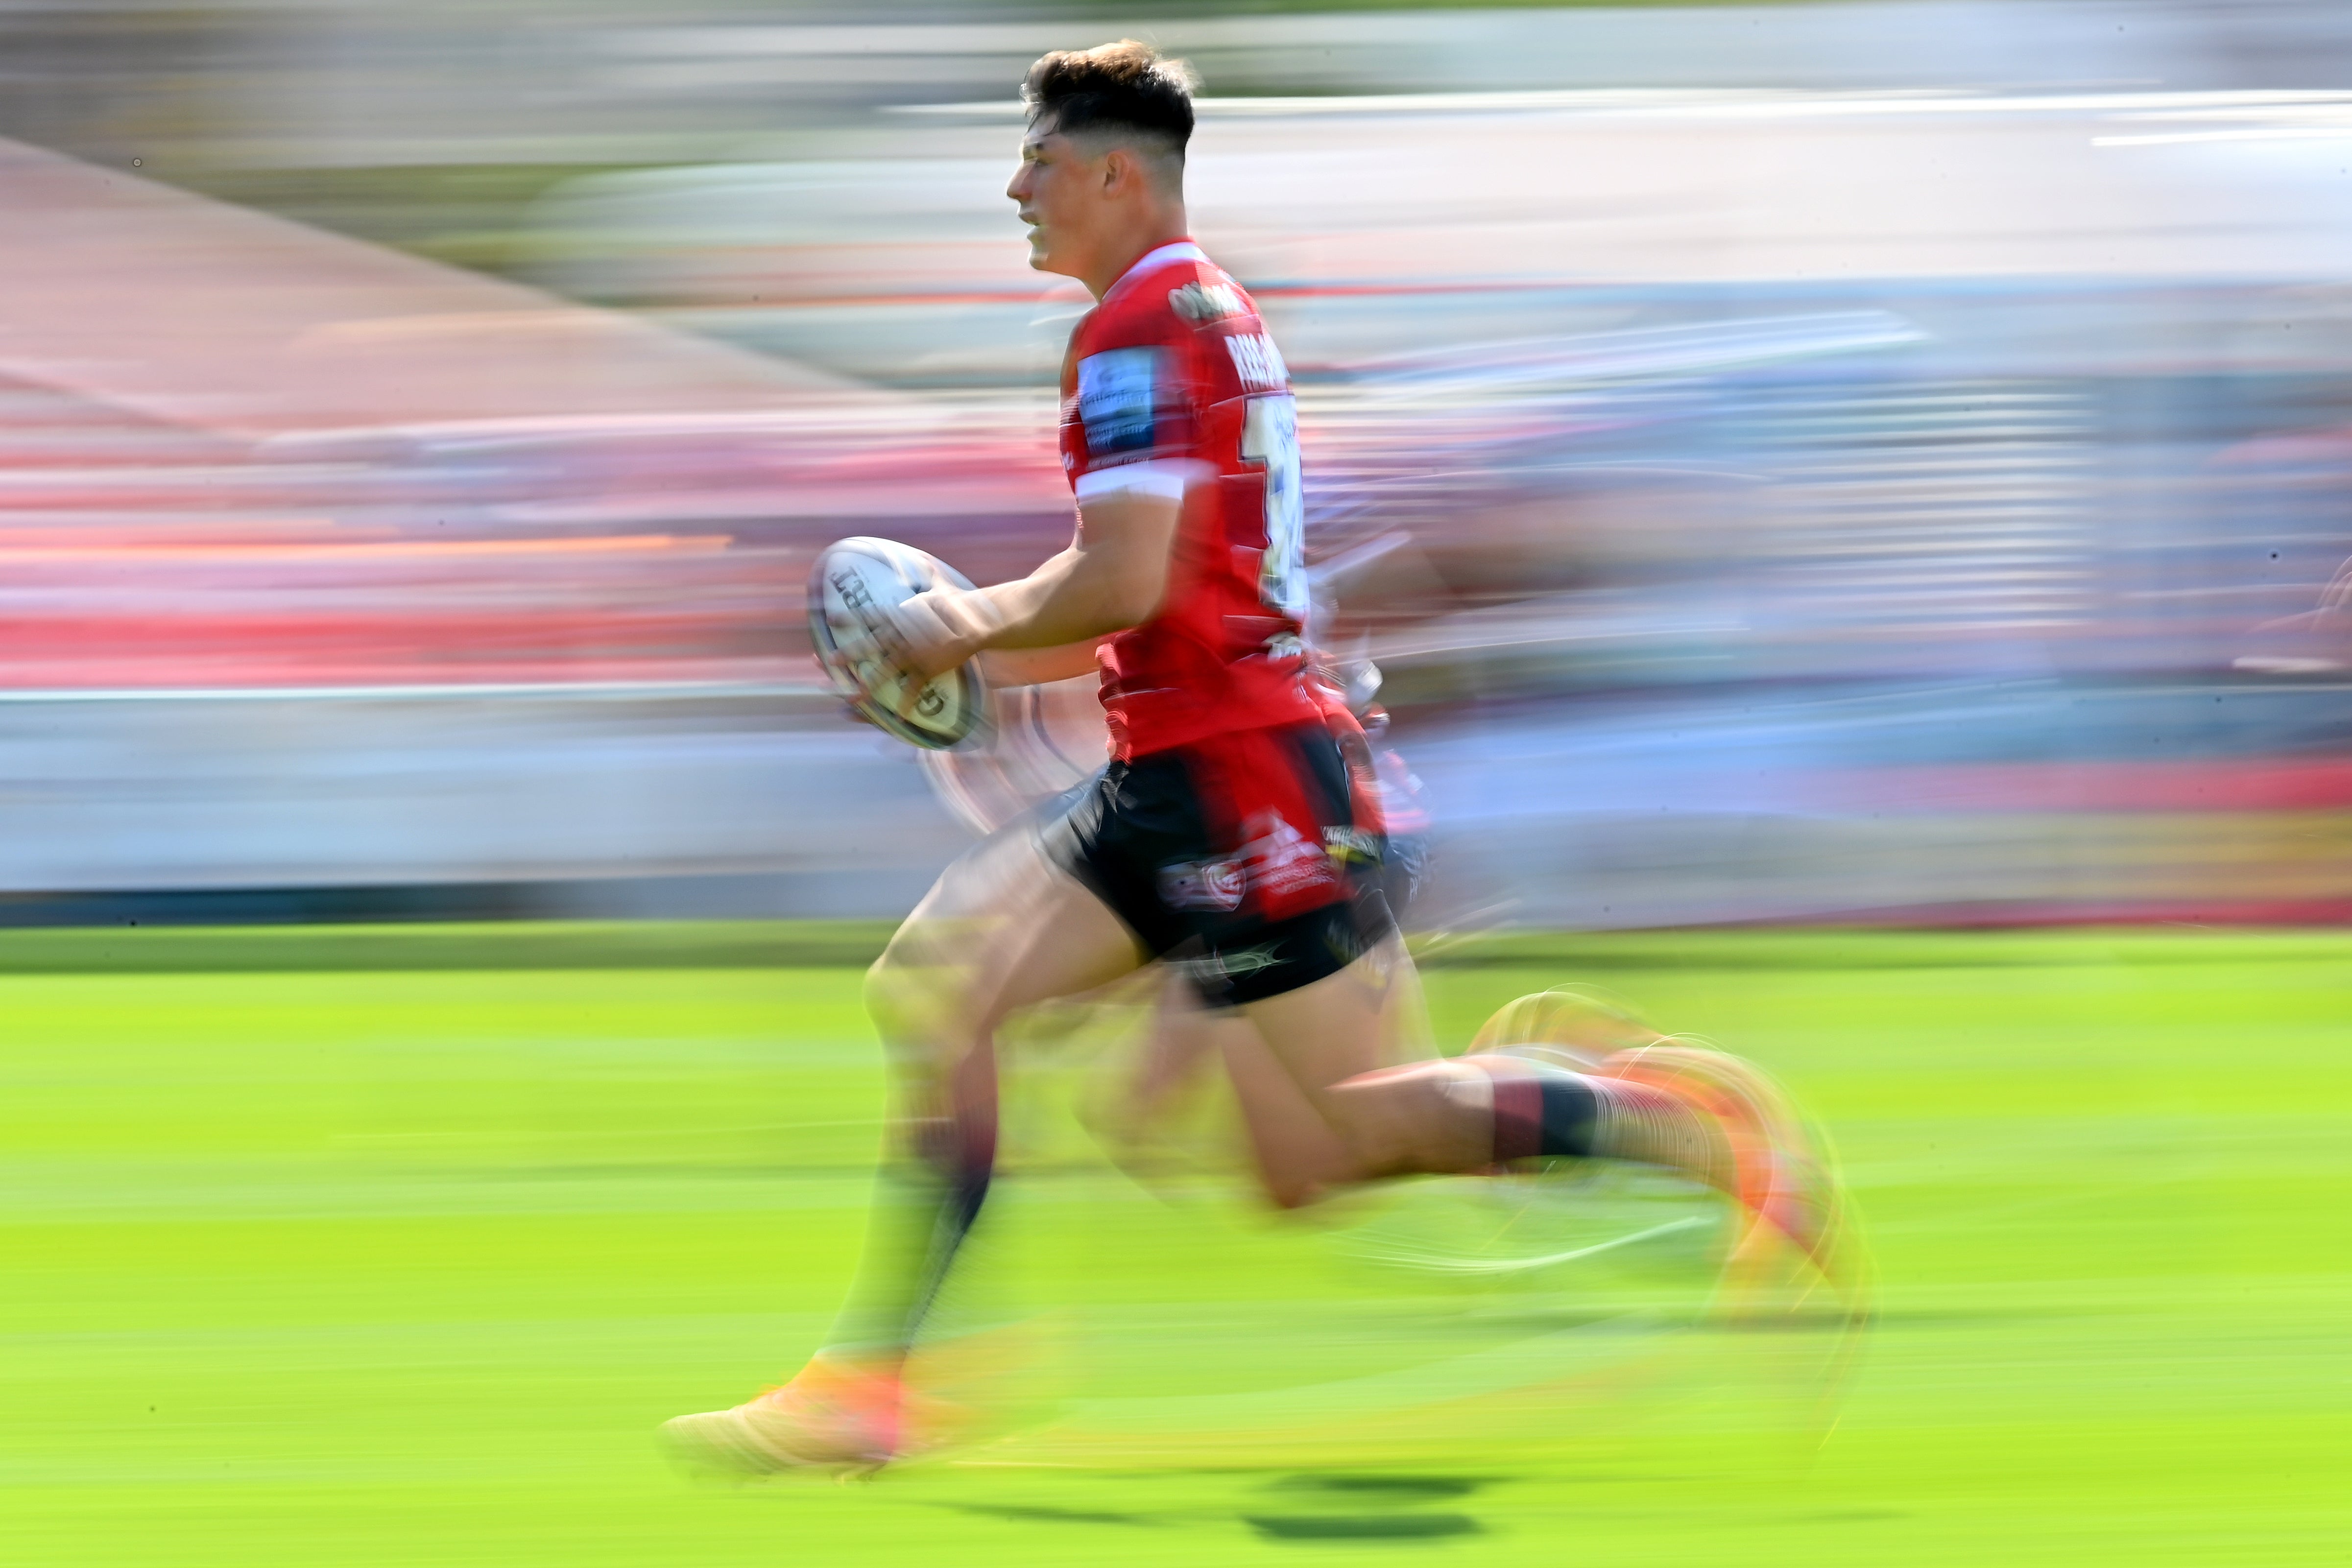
x=944, y=628
x=896, y=629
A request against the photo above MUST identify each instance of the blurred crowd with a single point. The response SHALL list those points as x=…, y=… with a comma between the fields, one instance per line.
x=1875, y=460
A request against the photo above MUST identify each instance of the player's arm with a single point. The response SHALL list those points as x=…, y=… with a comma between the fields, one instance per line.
x=1112, y=577
x=1036, y=666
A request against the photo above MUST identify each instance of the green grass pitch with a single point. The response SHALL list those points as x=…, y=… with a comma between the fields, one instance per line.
x=356, y=1247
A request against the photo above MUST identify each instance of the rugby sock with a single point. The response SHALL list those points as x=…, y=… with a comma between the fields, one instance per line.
x=1550, y=1112
x=924, y=1207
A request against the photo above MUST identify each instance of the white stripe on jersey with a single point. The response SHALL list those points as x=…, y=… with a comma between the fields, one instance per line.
x=1162, y=476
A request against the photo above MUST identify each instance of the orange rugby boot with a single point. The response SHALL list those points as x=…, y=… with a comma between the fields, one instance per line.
x=1782, y=1175
x=834, y=1416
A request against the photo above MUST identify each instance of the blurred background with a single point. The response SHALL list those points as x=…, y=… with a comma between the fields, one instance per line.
x=1870, y=461
x=1887, y=462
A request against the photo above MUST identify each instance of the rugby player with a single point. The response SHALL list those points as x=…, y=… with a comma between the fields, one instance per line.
x=1221, y=834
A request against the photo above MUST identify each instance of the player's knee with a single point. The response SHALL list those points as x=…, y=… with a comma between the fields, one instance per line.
x=1288, y=1193
x=1374, y=1120
x=927, y=998
x=906, y=999
x=885, y=986
x=1425, y=1117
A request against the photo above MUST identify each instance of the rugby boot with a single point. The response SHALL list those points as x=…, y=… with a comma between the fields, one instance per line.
x=1781, y=1172
x=835, y=1414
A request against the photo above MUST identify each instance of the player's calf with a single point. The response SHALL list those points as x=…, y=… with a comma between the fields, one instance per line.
x=1427, y=1118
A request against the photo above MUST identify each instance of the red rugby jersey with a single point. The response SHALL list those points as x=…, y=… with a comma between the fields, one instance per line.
x=1172, y=386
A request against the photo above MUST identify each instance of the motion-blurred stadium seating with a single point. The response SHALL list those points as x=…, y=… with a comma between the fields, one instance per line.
x=1766, y=498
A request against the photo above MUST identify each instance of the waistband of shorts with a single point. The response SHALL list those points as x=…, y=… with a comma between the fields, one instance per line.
x=1208, y=742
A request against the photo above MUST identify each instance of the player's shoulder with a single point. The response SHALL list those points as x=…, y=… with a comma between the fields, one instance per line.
x=1203, y=295
x=1172, y=293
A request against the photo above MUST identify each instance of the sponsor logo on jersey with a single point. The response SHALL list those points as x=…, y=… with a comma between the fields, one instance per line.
x=1203, y=884
x=1259, y=360
x=1115, y=398
x=1204, y=302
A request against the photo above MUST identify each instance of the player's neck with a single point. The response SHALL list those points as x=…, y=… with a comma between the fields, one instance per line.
x=1166, y=225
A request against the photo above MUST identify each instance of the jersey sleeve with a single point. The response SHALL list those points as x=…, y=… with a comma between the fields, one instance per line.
x=1133, y=424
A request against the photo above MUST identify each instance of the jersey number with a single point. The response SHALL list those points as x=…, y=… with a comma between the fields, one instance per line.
x=1270, y=436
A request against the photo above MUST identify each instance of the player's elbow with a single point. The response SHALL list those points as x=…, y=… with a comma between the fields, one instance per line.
x=1132, y=596
x=1121, y=589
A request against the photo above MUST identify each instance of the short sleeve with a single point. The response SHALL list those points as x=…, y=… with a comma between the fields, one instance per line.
x=1131, y=421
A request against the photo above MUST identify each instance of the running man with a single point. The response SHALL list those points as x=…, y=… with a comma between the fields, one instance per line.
x=1222, y=834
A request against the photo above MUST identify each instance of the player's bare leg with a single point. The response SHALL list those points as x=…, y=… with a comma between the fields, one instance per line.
x=1423, y=1117
x=1002, y=929
x=1140, y=1109
x=1298, y=1156
x=937, y=996
x=1649, y=1099
x=1293, y=1148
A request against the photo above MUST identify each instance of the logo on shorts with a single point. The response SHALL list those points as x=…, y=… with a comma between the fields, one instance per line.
x=1346, y=844
x=1281, y=860
x=1202, y=884
x=1240, y=961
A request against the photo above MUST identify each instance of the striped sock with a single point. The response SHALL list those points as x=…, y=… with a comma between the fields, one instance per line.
x=1547, y=1112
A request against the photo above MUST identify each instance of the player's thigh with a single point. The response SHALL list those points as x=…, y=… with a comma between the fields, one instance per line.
x=1071, y=944
x=1183, y=1041
x=1326, y=1032
x=1331, y=1039
x=1297, y=1152
x=970, y=904
x=1003, y=927
x=1363, y=1017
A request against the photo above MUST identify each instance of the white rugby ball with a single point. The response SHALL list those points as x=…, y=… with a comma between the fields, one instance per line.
x=854, y=590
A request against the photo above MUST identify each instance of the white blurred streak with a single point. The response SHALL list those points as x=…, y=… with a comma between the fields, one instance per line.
x=1488, y=369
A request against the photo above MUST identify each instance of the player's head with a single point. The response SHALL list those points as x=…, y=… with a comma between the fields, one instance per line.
x=1105, y=151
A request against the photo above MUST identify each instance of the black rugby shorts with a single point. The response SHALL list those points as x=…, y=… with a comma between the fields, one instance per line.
x=1238, y=857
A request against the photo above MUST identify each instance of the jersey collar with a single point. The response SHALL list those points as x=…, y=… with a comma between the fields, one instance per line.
x=1174, y=250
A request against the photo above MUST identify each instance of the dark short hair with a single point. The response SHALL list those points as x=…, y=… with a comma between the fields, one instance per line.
x=1122, y=87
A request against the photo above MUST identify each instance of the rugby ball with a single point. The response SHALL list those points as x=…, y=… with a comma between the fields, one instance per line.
x=854, y=590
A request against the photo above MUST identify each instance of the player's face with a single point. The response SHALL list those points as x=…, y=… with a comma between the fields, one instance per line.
x=1058, y=189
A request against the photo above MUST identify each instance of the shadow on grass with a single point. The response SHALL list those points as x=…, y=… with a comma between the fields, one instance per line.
x=1367, y=1508
x=1314, y=1507
x=1362, y=1527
